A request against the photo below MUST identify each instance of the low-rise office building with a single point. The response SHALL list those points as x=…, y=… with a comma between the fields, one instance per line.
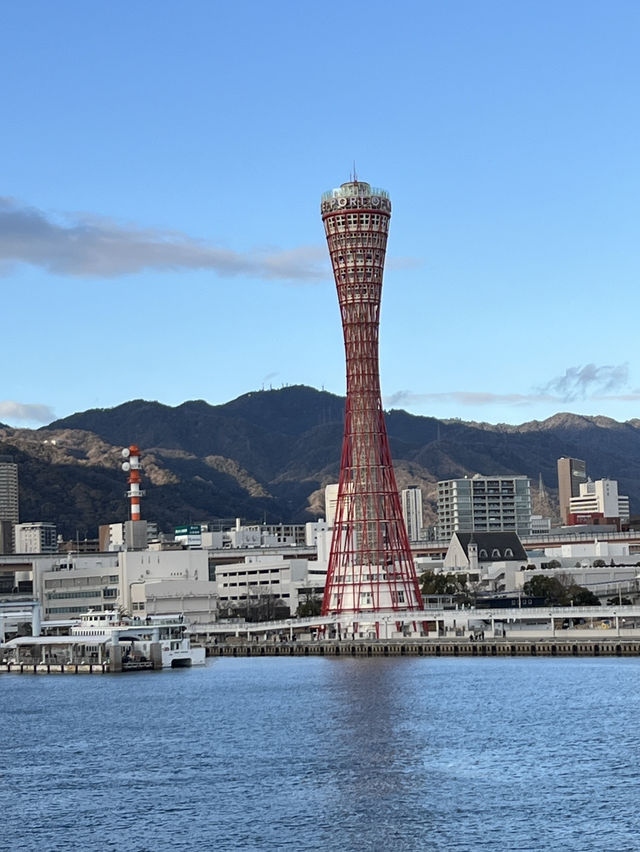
x=264, y=577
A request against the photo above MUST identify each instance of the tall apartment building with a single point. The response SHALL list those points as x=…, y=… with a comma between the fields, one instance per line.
x=411, y=499
x=9, y=516
x=485, y=504
x=572, y=473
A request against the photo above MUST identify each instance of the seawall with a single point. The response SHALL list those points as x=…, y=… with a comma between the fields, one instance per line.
x=430, y=648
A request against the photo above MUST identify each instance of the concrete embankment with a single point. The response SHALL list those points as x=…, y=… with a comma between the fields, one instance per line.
x=54, y=668
x=430, y=648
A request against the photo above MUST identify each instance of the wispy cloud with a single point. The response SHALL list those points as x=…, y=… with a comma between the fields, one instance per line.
x=470, y=398
x=588, y=382
x=88, y=245
x=31, y=412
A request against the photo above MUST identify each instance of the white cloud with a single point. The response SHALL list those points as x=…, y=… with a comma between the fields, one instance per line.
x=32, y=412
x=91, y=246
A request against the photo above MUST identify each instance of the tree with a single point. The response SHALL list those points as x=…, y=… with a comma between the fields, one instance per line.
x=454, y=584
x=582, y=596
x=599, y=563
x=549, y=588
x=560, y=590
x=309, y=607
x=437, y=584
x=619, y=601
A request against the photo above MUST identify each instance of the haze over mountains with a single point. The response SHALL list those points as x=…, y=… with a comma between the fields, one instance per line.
x=269, y=454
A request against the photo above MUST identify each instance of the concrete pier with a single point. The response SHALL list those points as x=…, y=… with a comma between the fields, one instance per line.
x=54, y=668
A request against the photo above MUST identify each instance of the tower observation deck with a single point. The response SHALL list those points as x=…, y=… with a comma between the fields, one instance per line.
x=371, y=568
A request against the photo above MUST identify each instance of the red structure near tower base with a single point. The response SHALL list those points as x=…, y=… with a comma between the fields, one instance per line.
x=371, y=567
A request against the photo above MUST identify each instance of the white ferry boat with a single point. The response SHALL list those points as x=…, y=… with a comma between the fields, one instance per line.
x=136, y=637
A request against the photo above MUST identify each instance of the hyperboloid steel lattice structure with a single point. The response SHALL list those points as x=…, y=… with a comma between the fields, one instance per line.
x=371, y=568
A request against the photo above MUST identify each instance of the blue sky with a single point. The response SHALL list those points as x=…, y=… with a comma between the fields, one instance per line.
x=163, y=162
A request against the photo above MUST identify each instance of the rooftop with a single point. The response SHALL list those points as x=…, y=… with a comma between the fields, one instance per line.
x=353, y=189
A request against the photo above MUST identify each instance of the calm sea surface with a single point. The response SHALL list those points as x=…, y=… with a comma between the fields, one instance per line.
x=335, y=754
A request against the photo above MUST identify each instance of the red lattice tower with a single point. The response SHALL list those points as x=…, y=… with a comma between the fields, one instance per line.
x=371, y=567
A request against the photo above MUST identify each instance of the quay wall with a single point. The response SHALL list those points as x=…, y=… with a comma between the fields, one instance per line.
x=369, y=648
x=431, y=648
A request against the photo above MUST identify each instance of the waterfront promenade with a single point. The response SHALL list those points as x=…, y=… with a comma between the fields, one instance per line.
x=522, y=632
x=611, y=631
x=519, y=623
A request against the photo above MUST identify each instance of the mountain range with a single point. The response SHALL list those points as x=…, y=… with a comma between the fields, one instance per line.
x=267, y=456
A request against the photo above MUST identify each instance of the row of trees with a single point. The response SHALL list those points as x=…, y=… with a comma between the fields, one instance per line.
x=559, y=590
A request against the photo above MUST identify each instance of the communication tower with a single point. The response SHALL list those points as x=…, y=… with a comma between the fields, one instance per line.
x=371, y=567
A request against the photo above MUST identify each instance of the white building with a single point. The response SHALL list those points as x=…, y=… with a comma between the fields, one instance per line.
x=412, y=511
x=38, y=537
x=189, y=535
x=141, y=567
x=68, y=585
x=485, y=504
x=492, y=561
x=128, y=535
x=197, y=600
x=262, y=576
x=256, y=535
x=599, y=498
x=540, y=525
x=314, y=530
x=331, y=502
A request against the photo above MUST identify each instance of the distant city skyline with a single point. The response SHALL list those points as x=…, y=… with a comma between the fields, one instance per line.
x=159, y=228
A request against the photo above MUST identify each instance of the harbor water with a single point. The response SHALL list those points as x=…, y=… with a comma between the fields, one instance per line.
x=317, y=754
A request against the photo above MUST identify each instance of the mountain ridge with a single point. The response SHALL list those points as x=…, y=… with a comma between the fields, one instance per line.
x=269, y=453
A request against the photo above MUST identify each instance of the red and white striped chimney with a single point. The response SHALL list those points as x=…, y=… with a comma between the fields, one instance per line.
x=132, y=464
